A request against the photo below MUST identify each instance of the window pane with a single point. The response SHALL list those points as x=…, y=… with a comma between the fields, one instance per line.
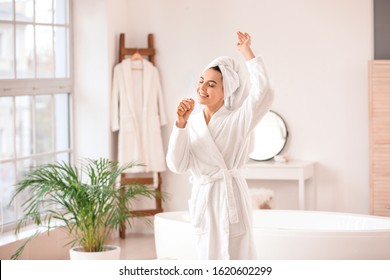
x=40, y=161
x=44, y=160
x=24, y=10
x=61, y=11
x=61, y=51
x=44, y=51
x=25, y=62
x=7, y=179
x=63, y=157
x=6, y=128
x=62, y=121
x=6, y=10
x=43, y=124
x=43, y=11
x=6, y=51
x=23, y=137
x=22, y=168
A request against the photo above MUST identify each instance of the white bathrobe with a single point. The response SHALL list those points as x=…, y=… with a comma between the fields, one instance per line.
x=220, y=207
x=137, y=111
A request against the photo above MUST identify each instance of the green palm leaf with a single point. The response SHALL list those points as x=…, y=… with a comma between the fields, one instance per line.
x=86, y=200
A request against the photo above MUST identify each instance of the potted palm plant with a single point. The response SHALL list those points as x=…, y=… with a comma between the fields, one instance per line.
x=86, y=201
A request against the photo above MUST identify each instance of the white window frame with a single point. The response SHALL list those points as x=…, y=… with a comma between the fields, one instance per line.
x=35, y=87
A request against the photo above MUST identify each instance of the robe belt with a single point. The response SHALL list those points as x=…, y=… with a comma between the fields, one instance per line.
x=227, y=177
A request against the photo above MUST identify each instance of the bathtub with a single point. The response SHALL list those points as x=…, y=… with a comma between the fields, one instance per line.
x=287, y=235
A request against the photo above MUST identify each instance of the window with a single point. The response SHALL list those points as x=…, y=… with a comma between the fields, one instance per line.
x=35, y=91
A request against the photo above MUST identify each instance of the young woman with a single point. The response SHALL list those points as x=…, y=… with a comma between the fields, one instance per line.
x=214, y=145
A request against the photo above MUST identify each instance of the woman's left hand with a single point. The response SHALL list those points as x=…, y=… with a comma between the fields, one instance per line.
x=244, y=40
x=244, y=45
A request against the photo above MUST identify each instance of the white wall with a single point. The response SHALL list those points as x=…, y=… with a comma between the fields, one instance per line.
x=91, y=79
x=316, y=53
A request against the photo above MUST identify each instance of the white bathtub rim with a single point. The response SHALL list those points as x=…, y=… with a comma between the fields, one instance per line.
x=171, y=216
x=185, y=212
x=328, y=213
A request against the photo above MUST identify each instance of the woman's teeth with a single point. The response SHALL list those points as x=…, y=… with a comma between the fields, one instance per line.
x=203, y=94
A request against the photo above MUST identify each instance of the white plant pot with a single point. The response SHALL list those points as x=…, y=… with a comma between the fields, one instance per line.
x=110, y=252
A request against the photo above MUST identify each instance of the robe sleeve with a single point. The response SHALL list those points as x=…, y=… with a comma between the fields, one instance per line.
x=178, y=155
x=115, y=101
x=161, y=105
x=261, y=96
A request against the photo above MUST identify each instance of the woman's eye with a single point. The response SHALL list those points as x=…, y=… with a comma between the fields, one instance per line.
x=211, y=85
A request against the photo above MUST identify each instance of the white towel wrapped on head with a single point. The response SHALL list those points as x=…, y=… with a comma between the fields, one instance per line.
x=233, y=79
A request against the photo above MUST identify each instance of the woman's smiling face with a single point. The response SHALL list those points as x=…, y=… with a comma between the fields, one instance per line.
x=210, y=88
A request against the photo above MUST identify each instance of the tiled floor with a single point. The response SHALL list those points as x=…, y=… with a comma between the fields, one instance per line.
x=136, y=246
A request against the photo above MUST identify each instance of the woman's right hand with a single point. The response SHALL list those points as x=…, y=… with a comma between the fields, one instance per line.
x=184, y=110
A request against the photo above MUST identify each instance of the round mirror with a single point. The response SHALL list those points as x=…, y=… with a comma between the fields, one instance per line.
x=270, y=137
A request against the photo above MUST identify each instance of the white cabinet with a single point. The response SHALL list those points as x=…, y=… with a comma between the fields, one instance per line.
x=299, y=171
